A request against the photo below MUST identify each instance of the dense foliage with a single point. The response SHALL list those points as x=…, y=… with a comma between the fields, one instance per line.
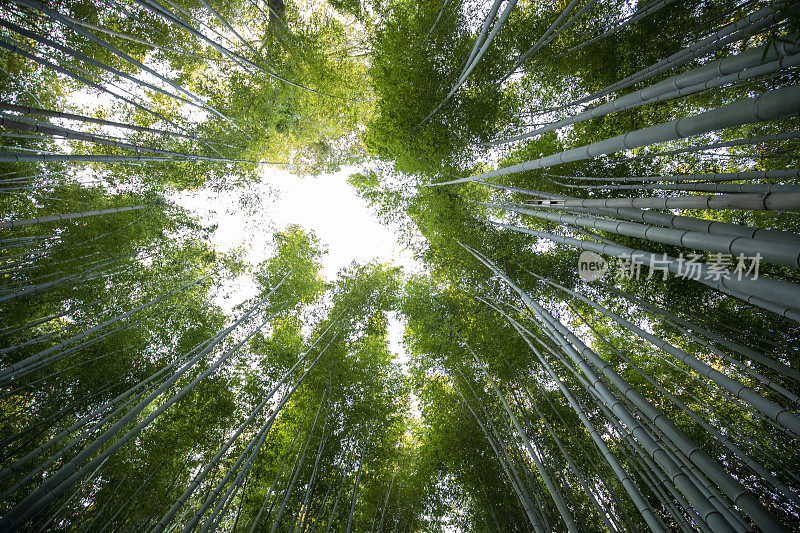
x=507, y=144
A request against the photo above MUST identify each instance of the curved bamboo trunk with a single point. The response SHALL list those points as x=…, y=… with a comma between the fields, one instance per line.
x=133, y=39
x=315, y=524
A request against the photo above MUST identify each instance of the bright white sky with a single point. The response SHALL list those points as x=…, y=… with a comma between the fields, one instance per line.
x=327, y=205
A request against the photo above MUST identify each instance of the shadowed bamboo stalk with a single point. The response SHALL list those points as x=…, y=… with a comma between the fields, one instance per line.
x=436, y=22
x=60, y=481
x=744, y=175
x=55, y=15
x=551, y=33
x=253, y=448
x=4, y=43
x=9, y=371
x=587, y=489
x=341, y=487
x=638, y=15
x=67, y=133
x=619, y=413
x=776, y=412
x=757, y=188
x=12, y=157
x=296, y=474
x=167, y=518
x=773, y=201
x=357, y=483
x=754, y=355
x=91, y=61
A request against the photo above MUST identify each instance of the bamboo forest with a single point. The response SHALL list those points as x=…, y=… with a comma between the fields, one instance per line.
x=597, y=327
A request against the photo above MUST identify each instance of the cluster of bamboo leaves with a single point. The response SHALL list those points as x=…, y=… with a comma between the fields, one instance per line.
x=500, y=139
